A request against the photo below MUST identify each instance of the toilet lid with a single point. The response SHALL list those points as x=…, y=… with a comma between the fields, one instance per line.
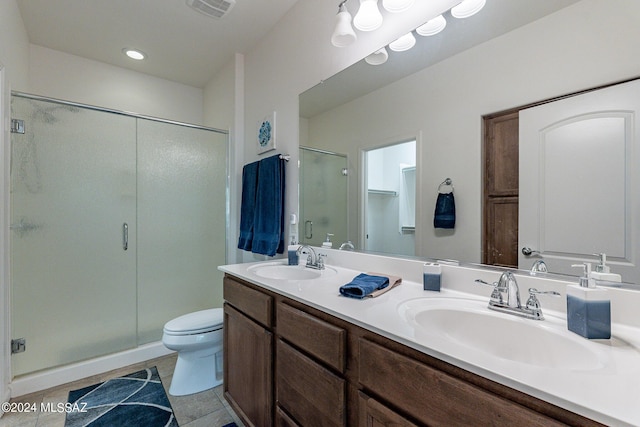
x=199, y=321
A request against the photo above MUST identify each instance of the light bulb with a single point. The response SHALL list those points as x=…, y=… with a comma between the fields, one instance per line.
x=396, y=6
x=368, y=17
x=378, y=57
x=405, y=42
x=467, y=8
x=343, y=35
x=432, y=27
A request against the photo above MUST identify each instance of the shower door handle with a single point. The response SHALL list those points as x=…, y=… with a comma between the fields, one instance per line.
x=308, y=229
x=125, y=236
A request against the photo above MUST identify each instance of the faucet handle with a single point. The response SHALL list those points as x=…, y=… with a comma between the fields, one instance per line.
x=320, y=261
x=496, y=295
x=533, y=292
x=533, y=303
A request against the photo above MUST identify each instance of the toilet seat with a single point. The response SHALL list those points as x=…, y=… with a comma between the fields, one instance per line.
x=199, y=322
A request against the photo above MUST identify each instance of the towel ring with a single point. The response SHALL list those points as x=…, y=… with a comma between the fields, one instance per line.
x=446, y=182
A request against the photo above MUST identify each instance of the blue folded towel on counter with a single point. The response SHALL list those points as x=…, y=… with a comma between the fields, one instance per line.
x=363, y=285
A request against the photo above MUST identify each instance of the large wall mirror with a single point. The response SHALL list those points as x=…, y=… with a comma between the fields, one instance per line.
x=511, y=54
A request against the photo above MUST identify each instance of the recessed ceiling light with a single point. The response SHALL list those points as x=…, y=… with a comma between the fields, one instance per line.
x=134, y=54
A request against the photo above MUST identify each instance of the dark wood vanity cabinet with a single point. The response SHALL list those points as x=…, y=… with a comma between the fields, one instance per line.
x=248, y=353
x=288, y=364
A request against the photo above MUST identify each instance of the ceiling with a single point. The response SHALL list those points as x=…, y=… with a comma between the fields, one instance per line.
x=182, y=45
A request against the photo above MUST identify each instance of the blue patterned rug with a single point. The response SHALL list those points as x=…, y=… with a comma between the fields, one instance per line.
x=136, y=400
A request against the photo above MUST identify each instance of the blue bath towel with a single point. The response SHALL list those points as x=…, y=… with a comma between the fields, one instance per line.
x=248, y=206
x=362, y=285
x=268, y=221
x=445, y=213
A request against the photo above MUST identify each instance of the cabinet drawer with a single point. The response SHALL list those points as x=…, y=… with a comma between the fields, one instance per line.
x=283, y=420
x=253, y=303
x=317, y=337
x=373, y=414
x=311, y=394
x=434, y=397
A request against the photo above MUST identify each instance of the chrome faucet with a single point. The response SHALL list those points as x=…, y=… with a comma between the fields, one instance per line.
x=313, y=260
x=508, y=284
x=539, y=267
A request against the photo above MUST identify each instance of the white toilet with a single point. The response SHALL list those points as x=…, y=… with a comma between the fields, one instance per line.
x=197, y=337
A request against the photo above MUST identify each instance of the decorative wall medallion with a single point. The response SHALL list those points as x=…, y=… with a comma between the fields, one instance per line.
x=267, y=133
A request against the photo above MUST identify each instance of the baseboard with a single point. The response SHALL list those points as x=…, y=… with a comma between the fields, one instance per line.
x=4, y=398
x=57, y=376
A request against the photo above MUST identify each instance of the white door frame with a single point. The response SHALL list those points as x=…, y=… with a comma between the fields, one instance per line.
x=5, y=330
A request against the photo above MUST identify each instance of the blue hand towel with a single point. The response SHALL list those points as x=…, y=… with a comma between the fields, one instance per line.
x=445, y=213
x=248, y=206
x=268, y=221
x=362, y=285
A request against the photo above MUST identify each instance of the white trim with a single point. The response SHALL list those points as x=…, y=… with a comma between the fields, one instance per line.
x=5, y=331
x=57, y=376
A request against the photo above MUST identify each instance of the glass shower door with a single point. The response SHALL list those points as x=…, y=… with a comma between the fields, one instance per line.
x=73, y=200
x=182, y=208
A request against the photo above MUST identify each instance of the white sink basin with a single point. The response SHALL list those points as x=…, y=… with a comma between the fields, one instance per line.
x=282, y=271
x=470, y=324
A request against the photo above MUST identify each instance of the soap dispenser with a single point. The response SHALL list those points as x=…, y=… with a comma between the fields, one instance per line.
x=292, y=252
x=588, y=307
x=602, y=271
x=327, y=243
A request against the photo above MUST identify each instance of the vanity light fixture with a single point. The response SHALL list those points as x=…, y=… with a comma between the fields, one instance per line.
x=343, y=35
x=403, y=43
x=397, y=6
x=368, y=17
x=432, y=27
x=378, y=57
x=134, y=54
x=467, y=8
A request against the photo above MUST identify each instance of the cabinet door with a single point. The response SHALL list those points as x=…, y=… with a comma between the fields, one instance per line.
x=313, y=395
x=374, y=414
x=248, y=367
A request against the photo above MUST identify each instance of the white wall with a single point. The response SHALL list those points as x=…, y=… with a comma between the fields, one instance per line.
x=63, y=76
x=559, y=54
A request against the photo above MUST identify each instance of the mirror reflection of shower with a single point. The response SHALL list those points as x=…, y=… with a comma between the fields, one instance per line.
x=390, y=199
x=323, y=197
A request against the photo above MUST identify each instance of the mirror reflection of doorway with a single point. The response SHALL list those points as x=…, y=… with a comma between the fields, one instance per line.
x=390, y=199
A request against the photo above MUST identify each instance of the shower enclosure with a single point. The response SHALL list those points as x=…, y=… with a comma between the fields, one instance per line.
x=118, y=223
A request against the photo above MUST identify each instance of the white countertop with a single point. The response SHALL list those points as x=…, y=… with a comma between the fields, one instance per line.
x=609, y=394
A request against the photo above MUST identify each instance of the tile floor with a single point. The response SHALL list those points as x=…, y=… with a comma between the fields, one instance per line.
x=205, y=409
